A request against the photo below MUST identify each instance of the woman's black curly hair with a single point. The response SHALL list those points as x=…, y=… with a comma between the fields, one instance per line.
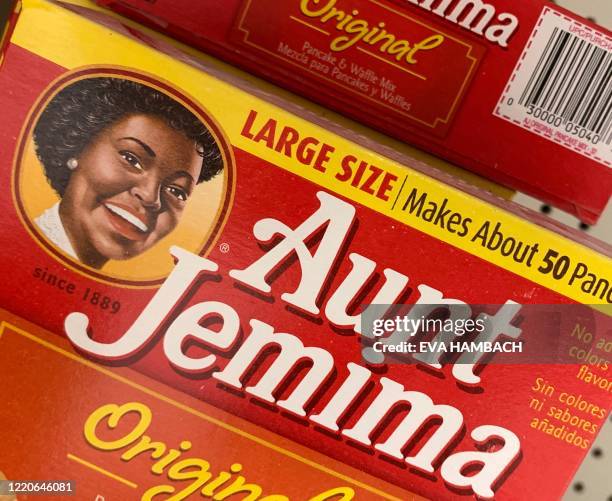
x=80, y=111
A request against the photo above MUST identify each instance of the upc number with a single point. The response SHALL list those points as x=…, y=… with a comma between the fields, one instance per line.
x=556, y=121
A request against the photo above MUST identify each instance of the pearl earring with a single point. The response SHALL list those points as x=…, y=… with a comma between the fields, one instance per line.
x=72, y=163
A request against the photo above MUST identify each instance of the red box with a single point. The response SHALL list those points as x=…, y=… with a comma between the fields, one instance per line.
x=79, y=421
x=452, y=77
x=167, y=218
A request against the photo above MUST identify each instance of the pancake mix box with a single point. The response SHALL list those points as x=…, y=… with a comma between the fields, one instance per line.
x=517, y=91
x=208, y=296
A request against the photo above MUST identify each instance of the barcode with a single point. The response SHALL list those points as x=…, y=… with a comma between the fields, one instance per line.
x=571, y=87
x=561, y=87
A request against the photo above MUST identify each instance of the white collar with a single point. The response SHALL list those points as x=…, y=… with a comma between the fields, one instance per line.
x=50, y=223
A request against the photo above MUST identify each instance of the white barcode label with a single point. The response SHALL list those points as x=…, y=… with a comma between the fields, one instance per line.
x=561, y=87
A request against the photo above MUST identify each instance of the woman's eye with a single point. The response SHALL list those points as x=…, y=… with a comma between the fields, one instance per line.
x=177, y=192
x=131, y=159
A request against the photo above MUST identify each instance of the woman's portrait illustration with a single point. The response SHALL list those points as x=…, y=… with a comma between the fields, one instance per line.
x=124, y=159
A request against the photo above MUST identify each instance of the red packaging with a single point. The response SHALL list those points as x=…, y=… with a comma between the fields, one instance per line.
x=185, y=237
x=453, y=77
x=78, y=462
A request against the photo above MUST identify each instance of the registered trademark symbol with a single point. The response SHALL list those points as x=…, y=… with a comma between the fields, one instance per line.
x=224, y=247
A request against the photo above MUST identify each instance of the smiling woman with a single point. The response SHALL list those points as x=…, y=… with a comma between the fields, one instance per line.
x=124, y=159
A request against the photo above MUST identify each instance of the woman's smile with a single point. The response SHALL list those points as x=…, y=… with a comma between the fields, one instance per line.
x=128, y=223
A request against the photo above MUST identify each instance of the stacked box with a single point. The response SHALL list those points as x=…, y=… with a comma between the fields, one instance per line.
x=186, y=266
x=517, y=93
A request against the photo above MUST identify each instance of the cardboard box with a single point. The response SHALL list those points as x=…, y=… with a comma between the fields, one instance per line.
x=168, y=220
x=199, y=447
x=452, y=77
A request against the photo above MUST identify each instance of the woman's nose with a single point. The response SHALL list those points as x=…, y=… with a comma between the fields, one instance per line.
x=148, y=192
